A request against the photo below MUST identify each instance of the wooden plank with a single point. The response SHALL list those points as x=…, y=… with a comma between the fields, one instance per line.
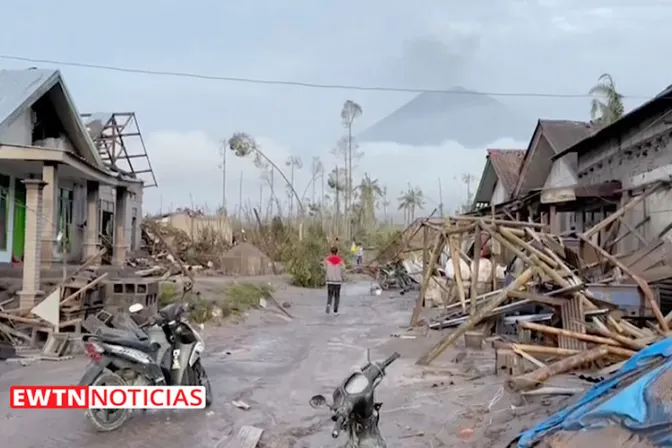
x=248, y=437
x=573, y=319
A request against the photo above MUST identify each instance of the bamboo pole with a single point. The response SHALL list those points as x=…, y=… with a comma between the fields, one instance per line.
x=474, y=319
x=570, y=334
x=527, y=356
x=475, y=268
x=620, y=212
x=534, y=379
x=436, y=251
x=528, y=247
x=623, y=340
x=457, y=278
x=646, y=290
x=83, y=289
x=500, y=222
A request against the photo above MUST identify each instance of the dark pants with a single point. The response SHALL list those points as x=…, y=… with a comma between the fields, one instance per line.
x=333, y=294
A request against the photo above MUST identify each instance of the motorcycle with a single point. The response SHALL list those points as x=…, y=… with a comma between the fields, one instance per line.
x=164, y=350
x=394, y=275
x=354, y=408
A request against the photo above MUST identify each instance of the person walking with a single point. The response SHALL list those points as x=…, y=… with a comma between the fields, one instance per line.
x=334, y=269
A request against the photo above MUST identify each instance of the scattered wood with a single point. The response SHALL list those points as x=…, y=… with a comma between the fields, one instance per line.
x=555, y=309
x=534, y=379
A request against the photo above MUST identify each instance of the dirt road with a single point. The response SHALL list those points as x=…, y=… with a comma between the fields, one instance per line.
x=275, y=366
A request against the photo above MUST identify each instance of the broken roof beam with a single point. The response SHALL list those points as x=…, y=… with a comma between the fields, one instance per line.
x=502, y=222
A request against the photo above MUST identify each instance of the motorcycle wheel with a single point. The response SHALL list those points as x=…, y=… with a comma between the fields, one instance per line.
x=384, y=284
x=200, y=378
x=106, y=420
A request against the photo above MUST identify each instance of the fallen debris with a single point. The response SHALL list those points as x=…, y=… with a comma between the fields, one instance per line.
x=248, y=437
x=564, y=303
x=241, y=405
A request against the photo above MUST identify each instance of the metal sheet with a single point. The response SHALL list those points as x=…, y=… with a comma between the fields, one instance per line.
x=627, y=297
x=20, y=87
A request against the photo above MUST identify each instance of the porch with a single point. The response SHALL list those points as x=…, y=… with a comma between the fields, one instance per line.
x=51, y=212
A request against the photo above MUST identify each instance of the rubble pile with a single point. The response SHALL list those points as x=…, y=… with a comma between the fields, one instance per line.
x=552, y=304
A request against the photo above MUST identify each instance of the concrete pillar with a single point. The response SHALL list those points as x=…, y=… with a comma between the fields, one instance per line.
x=30, y=292
x=120, y=228
x=91, y=240
x=50, y=212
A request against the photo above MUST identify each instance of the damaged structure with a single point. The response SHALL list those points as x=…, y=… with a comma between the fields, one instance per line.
x=64, y=196
x=583, y=237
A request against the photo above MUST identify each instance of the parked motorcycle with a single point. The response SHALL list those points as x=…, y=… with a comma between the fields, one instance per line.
x=163, y=350
x=394, y=275
x=354, y=408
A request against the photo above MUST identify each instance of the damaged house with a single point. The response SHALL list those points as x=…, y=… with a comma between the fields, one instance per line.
x=635, y=152
x=499, y=177
x=56, y=182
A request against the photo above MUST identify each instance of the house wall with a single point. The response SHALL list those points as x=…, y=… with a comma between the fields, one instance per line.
x=19, y=132
x=562, y=175
x=639, y=155
x=499, y=195
x=538, y=167
x=194, y=226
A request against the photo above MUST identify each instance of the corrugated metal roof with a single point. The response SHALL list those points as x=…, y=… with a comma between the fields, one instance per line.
x=506, y=163
x=18, y=88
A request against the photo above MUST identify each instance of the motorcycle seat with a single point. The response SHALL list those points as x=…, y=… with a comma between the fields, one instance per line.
x=123, y=338
x=172, y=311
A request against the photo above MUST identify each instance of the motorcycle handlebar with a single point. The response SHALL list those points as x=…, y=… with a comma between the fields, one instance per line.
x=390, y=360
x=337, y=427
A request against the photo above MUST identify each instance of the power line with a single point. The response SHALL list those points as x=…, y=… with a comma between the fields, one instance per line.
x=304, y=84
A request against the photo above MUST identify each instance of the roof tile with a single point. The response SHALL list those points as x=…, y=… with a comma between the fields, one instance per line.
x=506, y=163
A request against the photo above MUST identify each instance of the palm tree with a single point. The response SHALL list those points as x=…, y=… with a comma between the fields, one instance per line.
x=369, y=192
x=607, y=106
x=410, y=201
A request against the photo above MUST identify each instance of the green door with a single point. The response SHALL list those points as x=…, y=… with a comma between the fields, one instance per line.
x=19, y=238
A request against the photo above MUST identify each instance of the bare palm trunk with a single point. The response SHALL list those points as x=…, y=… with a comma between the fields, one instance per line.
x=349, y=182
x=345, y=197
x=322, y=201
x=272, y=191
x=291, y=198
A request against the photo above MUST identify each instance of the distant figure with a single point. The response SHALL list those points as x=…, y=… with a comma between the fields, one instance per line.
x=359, y=256
x=334, y=276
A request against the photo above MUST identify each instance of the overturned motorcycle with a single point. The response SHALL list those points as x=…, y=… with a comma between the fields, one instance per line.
x=354, y=408
x=164, y=350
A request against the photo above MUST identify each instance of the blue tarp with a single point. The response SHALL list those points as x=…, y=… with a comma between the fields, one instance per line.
x=627, y=398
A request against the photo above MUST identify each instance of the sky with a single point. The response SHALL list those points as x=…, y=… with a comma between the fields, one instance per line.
x=548, y=46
